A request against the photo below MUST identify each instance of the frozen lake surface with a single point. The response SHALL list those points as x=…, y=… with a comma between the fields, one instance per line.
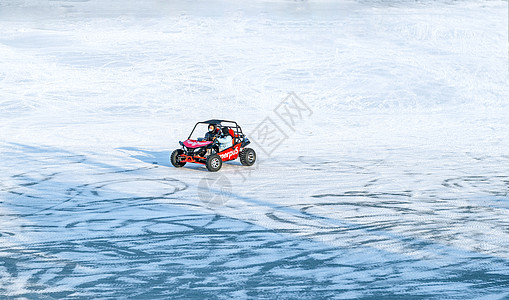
x=391, y=181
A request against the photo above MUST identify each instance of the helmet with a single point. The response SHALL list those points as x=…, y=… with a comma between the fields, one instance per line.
x=212, y=128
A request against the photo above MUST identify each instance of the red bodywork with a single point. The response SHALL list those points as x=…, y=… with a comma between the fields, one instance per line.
x=196, y=144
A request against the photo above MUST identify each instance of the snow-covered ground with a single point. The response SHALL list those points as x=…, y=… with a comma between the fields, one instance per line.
x=391, y=182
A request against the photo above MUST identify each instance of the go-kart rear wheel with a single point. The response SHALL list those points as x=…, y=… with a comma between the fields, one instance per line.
x=175, y=158
x=214, y=163
x=247, y=157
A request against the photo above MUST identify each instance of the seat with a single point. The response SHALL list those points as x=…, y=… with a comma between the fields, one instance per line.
x=230, y=131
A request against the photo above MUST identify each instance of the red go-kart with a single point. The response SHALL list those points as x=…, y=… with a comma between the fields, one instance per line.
x=224, y=141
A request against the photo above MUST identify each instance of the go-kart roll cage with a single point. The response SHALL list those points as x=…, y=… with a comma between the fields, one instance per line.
x=238, y=135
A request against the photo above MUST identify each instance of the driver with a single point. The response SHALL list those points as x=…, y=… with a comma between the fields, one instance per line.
x=213, y=133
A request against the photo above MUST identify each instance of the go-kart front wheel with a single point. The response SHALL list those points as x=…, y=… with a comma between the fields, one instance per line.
x=175, y=158
x=214, y=163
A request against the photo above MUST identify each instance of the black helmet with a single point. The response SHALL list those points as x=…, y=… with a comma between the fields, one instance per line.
x=212, y=128
x=225, y=131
